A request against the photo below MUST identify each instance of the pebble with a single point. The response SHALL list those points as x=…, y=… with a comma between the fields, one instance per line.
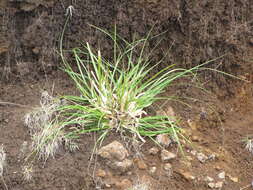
x=193, y=152
x=219, y=185
x=222, y=175
x=201, y=157
x=152, y=170
x=141, y=164
x=167, y=166
x=208, y=179
x=196, y=138
x=163, y=139
x=101, y=173
x=124, y=184
x=121, y=167
x=113, y=151
x=153, y=151
x=211, y=185
x=187, y=175
x=166, y=155
x=234, y=179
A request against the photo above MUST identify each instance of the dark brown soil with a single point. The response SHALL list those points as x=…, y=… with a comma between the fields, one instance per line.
x=195, y=32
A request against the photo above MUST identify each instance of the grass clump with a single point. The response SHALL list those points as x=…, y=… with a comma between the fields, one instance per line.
x=115, y=94
x=47, y=132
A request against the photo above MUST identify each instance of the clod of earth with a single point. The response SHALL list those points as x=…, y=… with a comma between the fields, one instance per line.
x=202, y=157
x=113, y=151
x=163, y=139
x=222, y=175
x=122, y=166
x=166, y=155
x=153, y=151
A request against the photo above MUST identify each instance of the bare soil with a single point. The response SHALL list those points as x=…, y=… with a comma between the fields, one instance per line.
x=194, y=32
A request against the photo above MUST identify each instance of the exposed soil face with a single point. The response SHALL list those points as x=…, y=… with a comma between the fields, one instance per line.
x=195, y=32
x=69, y=170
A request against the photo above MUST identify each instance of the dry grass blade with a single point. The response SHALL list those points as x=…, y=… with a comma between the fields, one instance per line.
x=2, y=164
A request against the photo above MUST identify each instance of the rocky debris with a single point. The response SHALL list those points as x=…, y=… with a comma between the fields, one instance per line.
x=141, y=164
x=121, y=167
x=113, y=151
x=116, y=157
x=163, y=139
x=217, y=185
x=202, y=157
x=234, y=179
x=153, y=151
x=193, y=152
x=124, y=184
x=166, y=155
x=196, y=138
x=167, y=166
x=222, y=175
x=186, y=175
x=193, y=125
x=168, y=169
x=152, y=170
x=212, y=157
x=208, y=179
x=101, y=173
x=211, y=185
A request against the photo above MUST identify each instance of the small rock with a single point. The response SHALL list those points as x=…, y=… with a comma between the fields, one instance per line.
x=193, y=152
x=141, y=164
x=219, y=185
x=163, y=139
x=152, y=170
x=168, y=169
x=234, y=179
x=192, y=124
x=196, y=138
x=153, y=151
x=201, y=157
x=101, y=173
x=212, y=157
x=124, y=184
x=222, y=175
x=121, y=167
x=187, y=175
x=211, y=185
x=208, y=179
x=113, y=151
x=167, y=166
x=166, y=155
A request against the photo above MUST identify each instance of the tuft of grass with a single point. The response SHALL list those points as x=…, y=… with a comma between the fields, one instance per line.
x=48, y=134
x=248, y=144
x=115, y=93
x=2, y=160
x=2, y=165
x=141, y=186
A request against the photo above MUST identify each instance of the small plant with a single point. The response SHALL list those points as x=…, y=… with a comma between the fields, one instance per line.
x=27, y=172
x=2, y=160
x=141, y=186
x=249, y=144
x=48, y=134
x=2, y=165
x=115, y=94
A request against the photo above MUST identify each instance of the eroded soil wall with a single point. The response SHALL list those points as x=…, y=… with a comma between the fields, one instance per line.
x=196, y=31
